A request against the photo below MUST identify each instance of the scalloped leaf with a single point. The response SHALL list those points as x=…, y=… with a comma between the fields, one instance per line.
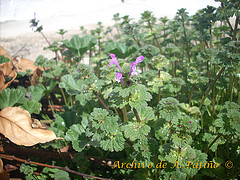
x=11, y=97
x=135, y=130
x=37, y=92
x=114, y=144
x=121, y=50
x=72, y=86
x=79, y=45
x=32, y=107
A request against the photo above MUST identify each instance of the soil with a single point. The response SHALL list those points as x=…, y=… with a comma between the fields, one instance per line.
x=30, y=45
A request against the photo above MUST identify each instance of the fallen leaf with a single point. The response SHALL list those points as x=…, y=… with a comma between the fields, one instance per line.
x=8, y=69
x=36, y=75
x=2, y=80
x=3, y=174
x=16, y=124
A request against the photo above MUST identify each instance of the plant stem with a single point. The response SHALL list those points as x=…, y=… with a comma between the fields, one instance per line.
x=125, y=114
x=213, y=142
x=231, y=86
x=136, y=114
x=190, y=99
x=101, y=101
x=116, y=111
x=155, y=37
x=159, y=89
x=235, y=29
x=11, y=158
x=210, y=87
x=238, y=93
x=50, y=105
x=64, y=97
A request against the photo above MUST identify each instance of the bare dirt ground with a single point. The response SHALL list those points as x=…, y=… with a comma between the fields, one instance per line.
x=30, y=45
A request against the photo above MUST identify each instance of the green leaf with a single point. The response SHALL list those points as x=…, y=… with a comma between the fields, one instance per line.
x=50, y=85
x=71, y=85
x=11, y=97
x=83, y=98
x=74, y=132
x=121, y=50
x=4, y=59
x=32, y=107
x=37, y=92
x=135, y=130
x=115, y=143
x=79, y=46
x=70, y=116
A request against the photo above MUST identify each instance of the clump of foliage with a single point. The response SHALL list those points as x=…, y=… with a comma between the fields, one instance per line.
x=160, y=99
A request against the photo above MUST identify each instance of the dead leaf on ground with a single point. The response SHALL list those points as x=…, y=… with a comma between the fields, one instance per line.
x=2, y=80
x=16, y=124
x=3, y=174
x=8, y=69
x=35, y=77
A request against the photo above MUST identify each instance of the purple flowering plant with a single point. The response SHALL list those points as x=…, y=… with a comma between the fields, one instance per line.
x=122, y=76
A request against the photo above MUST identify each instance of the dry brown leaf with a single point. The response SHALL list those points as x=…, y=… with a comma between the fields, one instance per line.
x=1, y=166
x=2, y=80
x=8, y=69
x=16, y=124
x=35, y=77
x=3, y=174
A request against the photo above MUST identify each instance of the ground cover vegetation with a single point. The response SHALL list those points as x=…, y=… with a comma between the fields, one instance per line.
x=160, y=99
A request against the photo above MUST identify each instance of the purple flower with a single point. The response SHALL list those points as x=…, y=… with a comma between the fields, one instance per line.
x=114, y=61
x=133, y=67
x=119, y=78
x=190, y=122
x=180, y=126
x=139, y=59
x=34, y=20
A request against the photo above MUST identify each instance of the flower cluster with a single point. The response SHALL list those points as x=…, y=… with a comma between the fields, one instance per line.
x=133, y=68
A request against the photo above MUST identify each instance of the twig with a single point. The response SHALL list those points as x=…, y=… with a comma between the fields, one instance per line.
x=23, y=151
x=18, y=52
x=11, y=158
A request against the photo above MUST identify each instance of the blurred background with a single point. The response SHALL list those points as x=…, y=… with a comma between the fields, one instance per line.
x=71, y=14
x=18, y=39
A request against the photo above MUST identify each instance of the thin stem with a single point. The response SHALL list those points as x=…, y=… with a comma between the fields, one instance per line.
x=116, y=111
x=190, y=99
x=136, y=114
x=213, y=142
x=124, y=111
x=50, y=105
x=210, y=87
x=101, y=101
x=235, y=28
x=64, y=97
x=45, y=38
x=155, y=38
x=159, y=89
x=11, y=158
